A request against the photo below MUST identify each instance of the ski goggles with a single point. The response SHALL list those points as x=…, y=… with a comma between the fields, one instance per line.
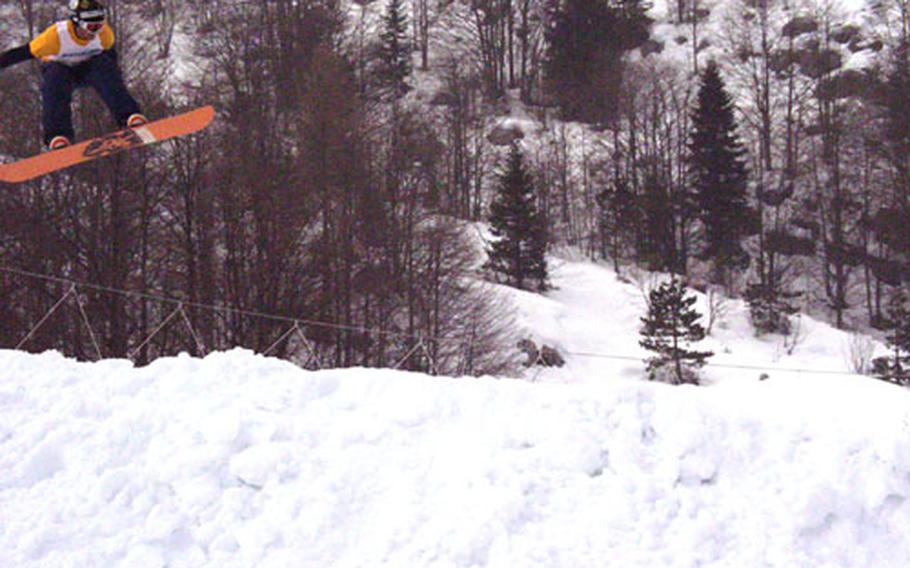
x=92, y=20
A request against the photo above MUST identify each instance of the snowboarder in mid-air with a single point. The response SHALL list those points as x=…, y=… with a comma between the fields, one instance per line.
x=75, y=53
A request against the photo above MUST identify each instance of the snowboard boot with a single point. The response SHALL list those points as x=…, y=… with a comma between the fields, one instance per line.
x=58, y=142
x=136, y=120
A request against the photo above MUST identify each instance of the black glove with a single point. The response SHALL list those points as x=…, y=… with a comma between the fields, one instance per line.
x=14, y=56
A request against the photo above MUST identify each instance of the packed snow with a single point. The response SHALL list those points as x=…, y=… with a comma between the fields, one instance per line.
x=242, y=460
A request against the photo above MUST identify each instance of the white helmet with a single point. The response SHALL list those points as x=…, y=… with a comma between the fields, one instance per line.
x=86, y=12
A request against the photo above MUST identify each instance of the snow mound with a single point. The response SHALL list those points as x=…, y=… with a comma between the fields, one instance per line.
x=241, y=460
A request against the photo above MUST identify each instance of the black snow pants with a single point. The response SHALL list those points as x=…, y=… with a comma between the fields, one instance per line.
x=58, y=82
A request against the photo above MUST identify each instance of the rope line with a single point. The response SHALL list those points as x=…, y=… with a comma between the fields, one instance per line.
x=212, y=307
x=151, y=336
x=717, y=365
x=47, y=316
x=420, y=341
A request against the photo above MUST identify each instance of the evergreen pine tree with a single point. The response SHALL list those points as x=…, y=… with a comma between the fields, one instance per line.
x=537, y=252
x=670, y=326
x=394, y=52
x=717, y=174
x=896, y=367
x=518, y=253
x=585, y=46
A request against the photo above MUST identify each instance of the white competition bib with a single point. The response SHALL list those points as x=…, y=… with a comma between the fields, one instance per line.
x=72, y=53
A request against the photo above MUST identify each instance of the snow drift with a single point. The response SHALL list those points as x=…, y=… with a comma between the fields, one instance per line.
x=240, y=460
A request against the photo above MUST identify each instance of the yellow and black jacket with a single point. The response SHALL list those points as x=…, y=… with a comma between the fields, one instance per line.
x=59, y=44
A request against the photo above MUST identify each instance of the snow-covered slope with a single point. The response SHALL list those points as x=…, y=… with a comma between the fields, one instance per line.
x=240, y=460
x=594, y=317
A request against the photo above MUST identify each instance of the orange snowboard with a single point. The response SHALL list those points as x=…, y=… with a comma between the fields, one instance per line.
x=37, y=166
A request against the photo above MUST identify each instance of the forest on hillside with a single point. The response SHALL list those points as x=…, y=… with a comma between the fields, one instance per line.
x=328, y=215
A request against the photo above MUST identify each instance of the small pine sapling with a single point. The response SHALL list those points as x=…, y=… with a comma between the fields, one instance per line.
x=670, y=327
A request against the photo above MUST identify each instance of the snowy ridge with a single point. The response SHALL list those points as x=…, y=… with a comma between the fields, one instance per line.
x=242, y=460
